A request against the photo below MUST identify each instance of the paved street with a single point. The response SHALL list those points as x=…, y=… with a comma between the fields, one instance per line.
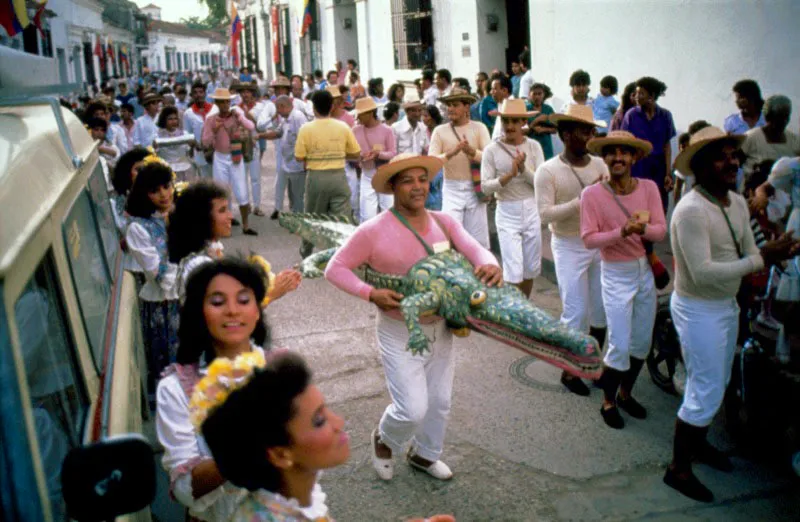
x=521, y=447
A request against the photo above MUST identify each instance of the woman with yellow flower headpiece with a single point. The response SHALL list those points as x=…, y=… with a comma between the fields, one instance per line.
x=221, y=334
x=148, y=204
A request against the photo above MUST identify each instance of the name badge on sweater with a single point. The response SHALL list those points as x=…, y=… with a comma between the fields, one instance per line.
x=442, y=246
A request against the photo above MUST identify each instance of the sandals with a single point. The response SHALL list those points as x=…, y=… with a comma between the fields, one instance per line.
x=438, y=470
x=249, y=232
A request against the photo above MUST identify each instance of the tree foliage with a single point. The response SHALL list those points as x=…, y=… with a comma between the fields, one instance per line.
x=217, y=9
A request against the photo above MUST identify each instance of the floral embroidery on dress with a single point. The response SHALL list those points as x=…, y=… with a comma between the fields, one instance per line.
x=156, y=226
x=266, y=506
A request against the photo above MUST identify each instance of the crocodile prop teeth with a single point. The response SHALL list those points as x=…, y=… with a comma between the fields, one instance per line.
x=444, y=284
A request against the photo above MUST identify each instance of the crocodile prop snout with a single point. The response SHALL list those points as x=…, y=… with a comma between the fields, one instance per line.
x=444, y=284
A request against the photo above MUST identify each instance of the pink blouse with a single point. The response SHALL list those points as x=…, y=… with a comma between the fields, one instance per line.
x=387, y=246
x=602, y=220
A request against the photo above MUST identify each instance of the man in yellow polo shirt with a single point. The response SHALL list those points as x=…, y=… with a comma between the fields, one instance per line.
x=324, y=144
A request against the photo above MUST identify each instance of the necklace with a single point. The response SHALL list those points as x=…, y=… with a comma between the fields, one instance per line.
x=627, y=189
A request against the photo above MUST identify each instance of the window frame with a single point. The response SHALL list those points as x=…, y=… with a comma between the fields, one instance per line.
x=97, y=358
x=98, y=176
x=401, y=14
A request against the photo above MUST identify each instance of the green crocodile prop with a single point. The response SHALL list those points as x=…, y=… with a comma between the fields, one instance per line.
x=444, y=284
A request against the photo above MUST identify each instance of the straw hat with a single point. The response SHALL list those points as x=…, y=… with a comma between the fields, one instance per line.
x=412, y=100
x=400, y=163
x=579, y=114
x=366, y=105
x=222, y=94
x=245, y=86
x=281, y=81
x=700, y=140
x=334, y=91
x=459, y=94
x=151, y=97
x=619, y=137
x=515, y=108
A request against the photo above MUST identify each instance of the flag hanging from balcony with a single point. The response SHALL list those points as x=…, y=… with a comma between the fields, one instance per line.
x=14, y=16
x=306, y=18
x=236, y=31
x=37, y=18
x=123, y=58
x=110, y=50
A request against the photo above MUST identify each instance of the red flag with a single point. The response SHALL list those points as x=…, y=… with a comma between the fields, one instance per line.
x=111, y=52
x=98, y=50
x=37, y=18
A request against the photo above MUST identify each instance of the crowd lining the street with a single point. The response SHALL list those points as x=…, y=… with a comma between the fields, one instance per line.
x=181, y=148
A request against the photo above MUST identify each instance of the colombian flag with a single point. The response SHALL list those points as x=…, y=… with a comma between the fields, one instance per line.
x=14, y=16
x=236, y=31
x=306, y=18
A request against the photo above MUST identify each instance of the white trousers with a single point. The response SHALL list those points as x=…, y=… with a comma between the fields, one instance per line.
x=253, y=169
x=371, y=203
x=354, y=184
x=579, y=284
x=707, y=330
x=421, y=387
x=519, y=231
x=629, y=299
x=460, y=202
x=231, y=175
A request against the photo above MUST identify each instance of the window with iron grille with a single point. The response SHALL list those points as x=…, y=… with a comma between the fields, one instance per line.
x=412, y=33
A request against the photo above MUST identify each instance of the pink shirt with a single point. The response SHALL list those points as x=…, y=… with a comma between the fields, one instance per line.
x=387, y=246
x=381, y=136
x=221, y=139
x=602, y=220
x=347, y=118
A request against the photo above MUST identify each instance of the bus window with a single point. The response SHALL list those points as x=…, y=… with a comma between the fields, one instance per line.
x=89, y=273
x=105, y=218
x=59, y=400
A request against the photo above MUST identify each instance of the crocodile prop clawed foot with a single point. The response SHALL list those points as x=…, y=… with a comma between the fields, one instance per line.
x=444, y=284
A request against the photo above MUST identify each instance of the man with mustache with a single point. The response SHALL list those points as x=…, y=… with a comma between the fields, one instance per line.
x=617, y=217
x=714, y=248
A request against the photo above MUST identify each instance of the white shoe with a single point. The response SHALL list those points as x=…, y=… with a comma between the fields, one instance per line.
x=438, y=470
x=383, y=467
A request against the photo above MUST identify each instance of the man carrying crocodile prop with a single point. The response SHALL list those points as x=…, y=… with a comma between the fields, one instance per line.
x=419, y=271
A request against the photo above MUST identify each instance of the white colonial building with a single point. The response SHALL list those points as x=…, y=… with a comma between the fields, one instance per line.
x=176, y=47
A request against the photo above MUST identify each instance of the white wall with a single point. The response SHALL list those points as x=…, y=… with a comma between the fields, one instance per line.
x=450, y=21
x=346, y=39
x=699, y=49
x=492, y=45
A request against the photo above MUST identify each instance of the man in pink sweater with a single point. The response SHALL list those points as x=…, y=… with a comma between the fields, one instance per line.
x=616, y=218
x=420, y=385
x=377, y=148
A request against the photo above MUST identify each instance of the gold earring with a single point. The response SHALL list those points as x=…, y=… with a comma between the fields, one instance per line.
x=290, y=464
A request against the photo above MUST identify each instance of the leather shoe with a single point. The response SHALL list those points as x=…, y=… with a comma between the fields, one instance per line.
x=274, y=215
x=632, y=407
x=688, y=485
x=383, y=467
x=575, y=385
x=438, y=470
x=612, y=417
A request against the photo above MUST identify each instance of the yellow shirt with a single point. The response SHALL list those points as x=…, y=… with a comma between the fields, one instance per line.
x=324, y=143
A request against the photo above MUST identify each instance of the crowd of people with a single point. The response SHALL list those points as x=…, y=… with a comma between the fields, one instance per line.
x=420, y=169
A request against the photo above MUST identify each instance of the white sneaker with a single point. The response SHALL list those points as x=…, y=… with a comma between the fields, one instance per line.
x=438, y=470
x=383, y=467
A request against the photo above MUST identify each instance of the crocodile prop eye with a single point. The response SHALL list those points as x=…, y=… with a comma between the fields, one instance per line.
x=478, y=297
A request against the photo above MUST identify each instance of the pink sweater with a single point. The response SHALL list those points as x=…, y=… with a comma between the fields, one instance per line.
x=387, y=246
x=221, y=139
x=380, y=135
x=602, y=220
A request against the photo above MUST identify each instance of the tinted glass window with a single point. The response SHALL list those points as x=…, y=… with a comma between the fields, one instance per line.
x=89, y=272
x=98, y=189
x=58, y=398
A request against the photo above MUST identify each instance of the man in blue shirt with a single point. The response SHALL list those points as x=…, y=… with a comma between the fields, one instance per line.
x=749, y=103
x=606, y=105
x=516, y=78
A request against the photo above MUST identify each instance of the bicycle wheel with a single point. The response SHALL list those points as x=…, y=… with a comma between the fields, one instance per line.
x=664, y=362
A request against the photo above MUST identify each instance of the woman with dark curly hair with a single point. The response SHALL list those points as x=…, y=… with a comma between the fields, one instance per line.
x=201, y=219
x=651, y=122
x=148, y=204
x=169, y=126
x=221, y=318
x=627, y=102
x=397, y=94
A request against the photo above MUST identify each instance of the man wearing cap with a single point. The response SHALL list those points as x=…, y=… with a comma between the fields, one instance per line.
x=616, y=218
x=558, y=184
x=252, y=110
x=324, y=144
x=420, y=385
x=220, y=132
x=410, y=134
x=714, y=248
x=459, y=144
x=507, y=169
x=377, y=147
x=193, y=120
x=145, y=130
x=289, y=170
